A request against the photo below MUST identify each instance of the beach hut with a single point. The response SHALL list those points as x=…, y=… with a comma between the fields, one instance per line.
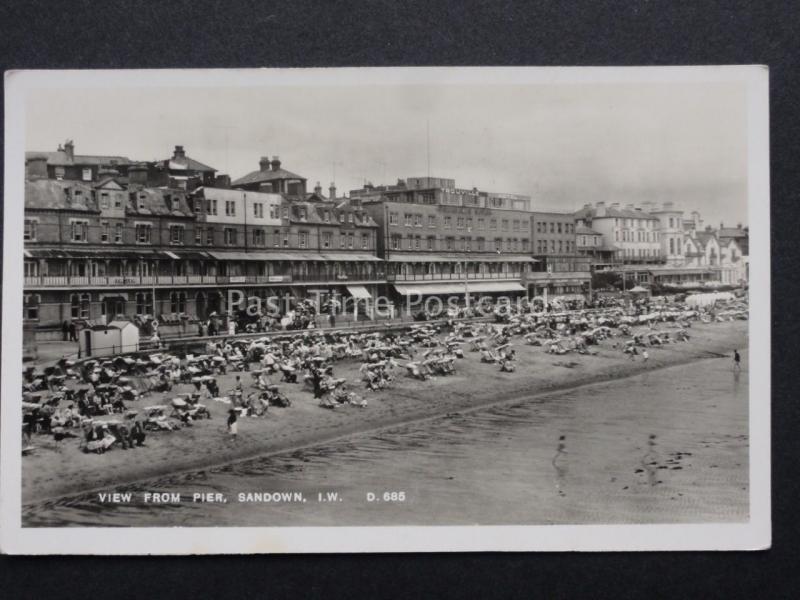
x=639, y=292
x=129, y=335
x=117, y=337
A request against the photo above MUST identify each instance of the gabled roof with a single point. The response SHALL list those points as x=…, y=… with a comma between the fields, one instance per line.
x=60, y=159
x=154, y=203
x=704, y=237
x=262, y=176
x=52, y=194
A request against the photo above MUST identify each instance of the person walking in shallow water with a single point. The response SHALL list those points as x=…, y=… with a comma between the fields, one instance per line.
x=737, y=360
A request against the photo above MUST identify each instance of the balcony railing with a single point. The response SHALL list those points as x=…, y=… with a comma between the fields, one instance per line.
x=454, y=276
x=72, y=281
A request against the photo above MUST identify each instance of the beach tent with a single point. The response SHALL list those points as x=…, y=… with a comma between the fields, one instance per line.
x=697, y=300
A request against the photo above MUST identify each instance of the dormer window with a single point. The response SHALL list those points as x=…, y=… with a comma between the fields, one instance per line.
x=141, y=200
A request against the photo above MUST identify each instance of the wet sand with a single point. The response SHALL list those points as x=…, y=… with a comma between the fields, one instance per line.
x=55, y=470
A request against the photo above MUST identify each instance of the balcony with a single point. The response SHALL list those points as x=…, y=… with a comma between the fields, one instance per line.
x=69, y=281
x=455, y=276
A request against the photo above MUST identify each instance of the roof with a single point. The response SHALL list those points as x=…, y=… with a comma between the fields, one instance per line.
x=52, y=194
x=611, y=212
x=732, y=232
x=60, y=158
x=187, y=163
x=583, y=230
x=271, y=175
x=154, y=203
x=704, y=237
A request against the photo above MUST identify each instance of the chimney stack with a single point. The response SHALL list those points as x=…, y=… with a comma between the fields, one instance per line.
x=276, y=163
x=222, y=181
x=318, y=189
x=179, y=153
x=69, y=149
x=332, y=191
x=263, y=164
x=600, y=210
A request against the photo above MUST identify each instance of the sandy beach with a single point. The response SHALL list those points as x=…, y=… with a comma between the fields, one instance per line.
x=55, y=470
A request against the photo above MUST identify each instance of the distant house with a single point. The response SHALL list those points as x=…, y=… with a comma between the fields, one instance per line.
x=64, y=164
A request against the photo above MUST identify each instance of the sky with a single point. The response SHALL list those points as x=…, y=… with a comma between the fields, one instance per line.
x=565, y=145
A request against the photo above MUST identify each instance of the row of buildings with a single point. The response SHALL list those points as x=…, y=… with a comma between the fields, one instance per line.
x=108, y=237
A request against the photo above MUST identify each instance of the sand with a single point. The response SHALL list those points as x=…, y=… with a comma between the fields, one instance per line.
x=55, y=470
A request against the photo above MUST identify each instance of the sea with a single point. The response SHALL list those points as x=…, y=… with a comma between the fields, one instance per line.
x=668, y=446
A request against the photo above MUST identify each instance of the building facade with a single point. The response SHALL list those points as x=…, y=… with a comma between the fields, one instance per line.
x=439, y=240
x=118, y=247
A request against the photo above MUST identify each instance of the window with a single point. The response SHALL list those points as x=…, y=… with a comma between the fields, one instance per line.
x=198, y=235
x=285, y=239
x=176, y=234
x=559, y=227
x=230, y=208
x=460, y=223
x=504, y=224
x=31, y=302
x=285, y=212
x=481, y=224
x=276, y=238
x=104, y=200
x=327, y=239
x=553, y=246
x=302, y=239
x=79, y=306
x=301, y=213
x=143, y=233
x=525, y=244
x=431, y=221
x=395, y=242
x=104, y=232
x=417, y=243
x=326, y=216
x=407, y=219
x=258, y=210
x=493, y=224
x=210, y=236
x=273, y=211
x=86, y=174
x=30, y=230
x=449, y=243
x=560, y=247
x=515, y=225
x=498, y=244
x=350, y=240
x=80, y=231
x=671, y=246
x=392, y=218
x=480, y=244
x=417, y=220
x=230, y=236
x=448, y=222
x=342, y=240
x=364, y=241
x=349, y=217
x=468, y=244
x=469, y=223
x=341, y=217
x=259, y=237
x=144, y=303
x=430, y=244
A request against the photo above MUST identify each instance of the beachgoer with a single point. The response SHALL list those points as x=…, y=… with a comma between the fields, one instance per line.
x=65, y=330
x=232, y=425
x=645, y=355
x=737, y=366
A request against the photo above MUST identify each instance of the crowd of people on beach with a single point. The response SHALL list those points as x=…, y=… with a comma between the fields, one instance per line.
x=100, y=401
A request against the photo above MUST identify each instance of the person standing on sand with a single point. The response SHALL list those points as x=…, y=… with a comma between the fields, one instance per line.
x=232, y=424
x=737, y=360
x=645, y=355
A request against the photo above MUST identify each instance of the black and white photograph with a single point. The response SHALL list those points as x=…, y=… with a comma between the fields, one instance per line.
x=326, y=310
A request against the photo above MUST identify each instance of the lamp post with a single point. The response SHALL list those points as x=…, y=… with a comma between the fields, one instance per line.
x=466, y=279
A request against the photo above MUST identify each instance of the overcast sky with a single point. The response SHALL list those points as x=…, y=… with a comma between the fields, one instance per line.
x=564, y=145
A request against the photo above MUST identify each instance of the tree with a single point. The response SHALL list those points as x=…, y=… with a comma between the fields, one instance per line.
x=606, y=279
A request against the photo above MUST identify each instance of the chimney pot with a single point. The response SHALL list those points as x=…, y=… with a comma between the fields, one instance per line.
x=276, y=163
x=179, y=152
x=263, y=164
x=69, y=148
x=332, y=191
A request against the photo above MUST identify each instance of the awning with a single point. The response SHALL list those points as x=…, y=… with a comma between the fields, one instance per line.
x=474, y=287
x=349, y=256
x=86, y=253
x=171, y=254
x=123, y=295
x=267, y=256
x=470, y=257
x=358, y=291
x=190, y=254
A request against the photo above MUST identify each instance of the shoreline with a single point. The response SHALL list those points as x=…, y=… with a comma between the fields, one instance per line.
x=206, y=446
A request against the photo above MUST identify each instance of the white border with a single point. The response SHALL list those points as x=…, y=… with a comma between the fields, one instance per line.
x=756, y=534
